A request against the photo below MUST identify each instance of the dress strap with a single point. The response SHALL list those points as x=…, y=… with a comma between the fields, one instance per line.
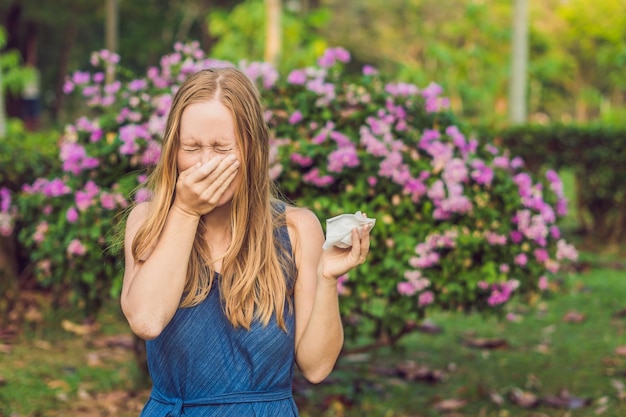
x=177, y=405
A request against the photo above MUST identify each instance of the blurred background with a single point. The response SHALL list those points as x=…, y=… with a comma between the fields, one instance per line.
x=575, y=48
x=543, y=79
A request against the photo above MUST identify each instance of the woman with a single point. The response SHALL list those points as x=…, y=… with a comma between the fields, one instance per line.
x=228, y=285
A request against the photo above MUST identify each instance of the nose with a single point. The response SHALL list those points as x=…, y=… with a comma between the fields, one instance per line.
x=207, y=154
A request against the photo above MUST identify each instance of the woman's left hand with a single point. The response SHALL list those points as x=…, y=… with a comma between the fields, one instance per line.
x=337, y=261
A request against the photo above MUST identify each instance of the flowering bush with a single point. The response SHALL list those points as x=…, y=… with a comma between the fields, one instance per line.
x=460, y=224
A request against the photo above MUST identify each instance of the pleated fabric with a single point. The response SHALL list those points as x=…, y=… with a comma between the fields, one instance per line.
x=201, y=366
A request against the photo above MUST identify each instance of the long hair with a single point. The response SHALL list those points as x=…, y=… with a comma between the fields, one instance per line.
x=252, y=283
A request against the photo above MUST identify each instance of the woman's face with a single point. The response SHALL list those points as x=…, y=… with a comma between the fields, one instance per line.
x=207, y=130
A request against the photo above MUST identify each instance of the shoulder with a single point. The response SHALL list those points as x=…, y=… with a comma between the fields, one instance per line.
x=302, y=220
x=138, y=214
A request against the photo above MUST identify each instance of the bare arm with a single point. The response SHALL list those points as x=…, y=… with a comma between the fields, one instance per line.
x=319, y=331
x=153, y=287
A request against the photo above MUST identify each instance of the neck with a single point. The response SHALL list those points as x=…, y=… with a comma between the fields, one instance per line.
x=217, y=224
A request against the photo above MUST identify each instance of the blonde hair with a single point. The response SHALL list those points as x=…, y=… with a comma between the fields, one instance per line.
x=252, y=283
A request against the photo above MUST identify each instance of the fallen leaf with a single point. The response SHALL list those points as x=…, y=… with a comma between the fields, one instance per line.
x=33, y=315
x=485, y=343
x=566, y=400
x=42, y=344
x=413, y=371
x=524, y=399
x=428, y=327
x=79, y=329
x=59, y=384
x=93, y=359
x=124, y=341
x=5, y=348
x=496, y=398
x=574, y=317
x=620, y=350
x=451, y=404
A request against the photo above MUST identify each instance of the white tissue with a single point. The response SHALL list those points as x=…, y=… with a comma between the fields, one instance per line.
x=339, y=229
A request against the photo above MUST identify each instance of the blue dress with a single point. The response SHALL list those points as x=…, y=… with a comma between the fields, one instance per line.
x=201, y=366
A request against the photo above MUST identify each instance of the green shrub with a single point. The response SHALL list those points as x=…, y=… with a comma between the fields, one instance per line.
x=596, y=154
x=460, y=224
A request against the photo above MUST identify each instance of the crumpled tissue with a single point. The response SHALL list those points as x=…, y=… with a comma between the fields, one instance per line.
x=339, y=229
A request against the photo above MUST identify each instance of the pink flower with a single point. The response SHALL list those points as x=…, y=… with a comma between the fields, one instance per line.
x=425, y=298
x=143, y=194
x=406, y=288
x=341, y=289
x=40, y=232
x=541, y=255
x=565, y=251
x=521, y=259
x=76, y=248
x=372, y=181
x=543, y=283
x=504, y=268
x=71, y=215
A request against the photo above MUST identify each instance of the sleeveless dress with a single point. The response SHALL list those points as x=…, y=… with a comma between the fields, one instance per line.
x=201, y=366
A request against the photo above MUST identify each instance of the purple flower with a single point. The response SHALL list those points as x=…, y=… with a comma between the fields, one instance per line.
x=297, y=77
x=296, y=117
x=137, y=85
x=516, y=236
x=303, y=161
x=369, y=70
x=313, y=177
x=107, y=201
x=80, y=77
x=372, y=181
x=5, y=200
x=454, y=171
x=332, y=55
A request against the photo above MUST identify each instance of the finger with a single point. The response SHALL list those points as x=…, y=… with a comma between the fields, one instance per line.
x=214, y=191
x=213, y=173
x=365, y=242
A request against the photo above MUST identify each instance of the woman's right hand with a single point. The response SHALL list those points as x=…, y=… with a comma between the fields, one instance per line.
x=199, y=188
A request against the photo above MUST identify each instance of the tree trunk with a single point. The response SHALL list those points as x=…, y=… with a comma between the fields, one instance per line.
x=273, y=10
x=3, y=115
x=70, y=38
x=519, y=62
x=111, y=34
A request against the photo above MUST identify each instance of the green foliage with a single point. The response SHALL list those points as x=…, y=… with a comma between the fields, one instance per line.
x=241, y=34
x=14, y=75
x=595, y=153
x=459, y=224
x=25, y=156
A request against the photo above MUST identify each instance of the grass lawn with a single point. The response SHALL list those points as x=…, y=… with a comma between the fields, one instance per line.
x=567, y=341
